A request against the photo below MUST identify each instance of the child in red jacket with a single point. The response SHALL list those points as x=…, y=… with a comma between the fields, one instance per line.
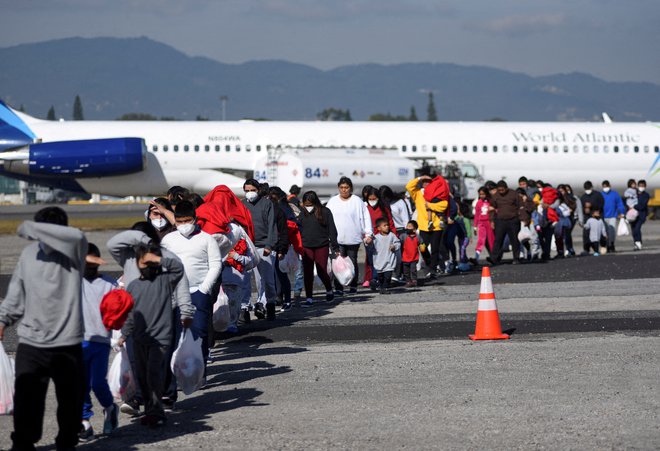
x=410, y=254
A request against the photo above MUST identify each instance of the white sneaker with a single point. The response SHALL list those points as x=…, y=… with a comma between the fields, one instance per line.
x=638, y=245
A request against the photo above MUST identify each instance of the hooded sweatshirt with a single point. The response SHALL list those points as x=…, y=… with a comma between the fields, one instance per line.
x=45, y=288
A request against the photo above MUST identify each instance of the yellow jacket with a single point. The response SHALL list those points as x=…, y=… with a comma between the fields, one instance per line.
x=427, y=211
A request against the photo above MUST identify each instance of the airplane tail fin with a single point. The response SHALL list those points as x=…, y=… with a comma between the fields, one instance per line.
x=14, y=131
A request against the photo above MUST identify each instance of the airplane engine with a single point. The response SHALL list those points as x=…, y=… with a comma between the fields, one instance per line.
x=82, y=158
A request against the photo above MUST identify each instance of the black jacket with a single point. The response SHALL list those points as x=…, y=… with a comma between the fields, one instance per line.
x=314, y=234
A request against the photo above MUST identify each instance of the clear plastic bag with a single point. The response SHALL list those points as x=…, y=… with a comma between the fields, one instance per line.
x=188, y=363
x=622, y=230
x=289, y=264
x=121, y=378
x=221, y=312
x=6, y=383
x=343, y=269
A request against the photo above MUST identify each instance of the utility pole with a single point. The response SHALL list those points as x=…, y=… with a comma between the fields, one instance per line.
x=224, y=99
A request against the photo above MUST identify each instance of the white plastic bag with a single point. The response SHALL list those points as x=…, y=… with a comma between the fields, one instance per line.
x=343, y=269
x=632, y=215
x=221, y=312
x=6, y=383
x=289, y=264
x=121, y=378
x=524, y=234
x=622, y=230
x=188, y=363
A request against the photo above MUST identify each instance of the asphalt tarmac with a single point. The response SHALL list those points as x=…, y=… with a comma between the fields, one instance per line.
x=398, y=372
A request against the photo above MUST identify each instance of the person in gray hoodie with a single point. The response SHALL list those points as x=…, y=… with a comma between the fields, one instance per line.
x=45, y=296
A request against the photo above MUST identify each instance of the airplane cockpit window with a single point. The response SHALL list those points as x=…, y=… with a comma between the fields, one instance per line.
x=176, y=147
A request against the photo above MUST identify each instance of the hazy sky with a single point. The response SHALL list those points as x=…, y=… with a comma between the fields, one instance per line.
x=613, y=39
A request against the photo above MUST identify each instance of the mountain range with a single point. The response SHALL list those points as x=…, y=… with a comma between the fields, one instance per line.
x=116, y=76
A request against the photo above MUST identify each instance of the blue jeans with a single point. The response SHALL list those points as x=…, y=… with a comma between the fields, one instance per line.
x=95, y=362
x=201, y=318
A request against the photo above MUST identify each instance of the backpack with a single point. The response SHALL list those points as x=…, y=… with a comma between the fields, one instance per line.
x=438, y=190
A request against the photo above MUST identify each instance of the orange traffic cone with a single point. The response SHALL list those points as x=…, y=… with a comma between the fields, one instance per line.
x=488, y=320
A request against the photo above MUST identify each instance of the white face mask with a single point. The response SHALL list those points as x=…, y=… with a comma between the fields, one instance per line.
x=186, y=229
x=159, y=223
x=310, y=208
x=606, y=190
x=588, y=191
x=641, y=189
x=373, y=203
x=251, y=196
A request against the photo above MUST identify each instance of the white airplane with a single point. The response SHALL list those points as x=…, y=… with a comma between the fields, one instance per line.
x=121, y=158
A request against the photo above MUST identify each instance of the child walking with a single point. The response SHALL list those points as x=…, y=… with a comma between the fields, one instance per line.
x=483, y=224
x=151, y=325
x=597, y=232
x=96, y=345
x=234, y=269
x=385, y=247
x=410, y=257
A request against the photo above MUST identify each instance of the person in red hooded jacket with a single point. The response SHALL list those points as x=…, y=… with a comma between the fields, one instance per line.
x=549, y=203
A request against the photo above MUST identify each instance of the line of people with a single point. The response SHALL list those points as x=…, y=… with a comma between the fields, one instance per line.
x=190, y=249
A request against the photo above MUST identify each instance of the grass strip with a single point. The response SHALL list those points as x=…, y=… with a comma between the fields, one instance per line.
x=9, y=226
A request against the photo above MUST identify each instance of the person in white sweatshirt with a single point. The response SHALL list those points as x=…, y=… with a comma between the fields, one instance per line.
x=353, y=225
x=200, y=255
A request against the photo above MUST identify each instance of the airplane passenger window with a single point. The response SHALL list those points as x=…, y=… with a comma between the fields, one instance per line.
x=536, y=149
x=585, y=149
x=176, y=147
x=595, y=149
x=227, y=148
x=576, y=149
x=217, y=148
x=606, y=149
x=545, y=149
x=258, y=148
x=238, y=148
x=414, y=148
x=464, y=148
x=444, y=148
x=657, y=149
x=196, y=148
x=186, y=148
x=505, y=149
x=636, y=149
x=435, y=148
x=625, y=149
x=525, y=149
x=494, y=148
x=248, y=148
x=616, y=149
x=555, y=149
x=485, y=148
x=403, y=148
x=165, y=148
x=474, y=148
x=646, y=149
x=565, y=149
x=515, y=148
x=155, y=148
x=454, y=149
x=207, y=148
